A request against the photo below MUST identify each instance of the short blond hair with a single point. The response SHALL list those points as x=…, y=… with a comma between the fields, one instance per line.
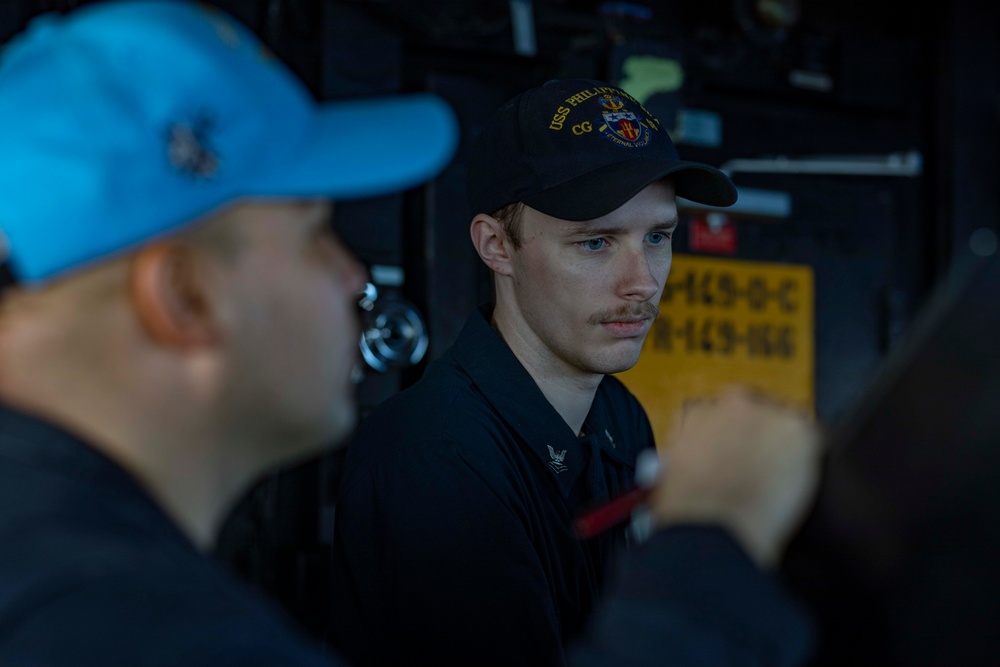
x=510, y=217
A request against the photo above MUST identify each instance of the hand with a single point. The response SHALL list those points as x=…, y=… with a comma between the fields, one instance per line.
x=744, y=462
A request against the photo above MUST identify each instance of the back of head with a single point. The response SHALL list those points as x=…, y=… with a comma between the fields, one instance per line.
x=577, y=149
x=125, y=121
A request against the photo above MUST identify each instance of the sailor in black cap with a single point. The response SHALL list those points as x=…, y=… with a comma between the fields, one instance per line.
x=455, y=540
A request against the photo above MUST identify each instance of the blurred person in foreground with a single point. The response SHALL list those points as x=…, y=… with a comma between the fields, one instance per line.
x=184, y=320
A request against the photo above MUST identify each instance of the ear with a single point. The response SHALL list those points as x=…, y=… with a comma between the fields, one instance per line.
x=491, y=243
x=171, y=298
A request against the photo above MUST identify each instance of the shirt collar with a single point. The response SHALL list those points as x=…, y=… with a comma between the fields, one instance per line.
x=512, y=392
x=600, y=423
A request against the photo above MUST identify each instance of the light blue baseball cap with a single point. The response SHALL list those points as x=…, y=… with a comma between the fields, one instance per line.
x=123, y=121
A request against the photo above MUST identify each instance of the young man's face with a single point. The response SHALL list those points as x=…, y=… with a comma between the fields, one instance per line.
x=588, y=292
x=297, y=341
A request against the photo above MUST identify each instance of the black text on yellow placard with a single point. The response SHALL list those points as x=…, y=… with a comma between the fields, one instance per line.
x=722, y=322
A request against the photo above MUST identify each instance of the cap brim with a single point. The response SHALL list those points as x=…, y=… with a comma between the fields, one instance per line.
x=599, y=192
x=370, y=147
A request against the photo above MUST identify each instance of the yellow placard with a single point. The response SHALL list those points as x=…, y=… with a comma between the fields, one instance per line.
x=725, y=321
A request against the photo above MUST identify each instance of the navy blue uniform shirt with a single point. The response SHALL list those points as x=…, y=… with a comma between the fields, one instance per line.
x=454, y=534
x=94, y=574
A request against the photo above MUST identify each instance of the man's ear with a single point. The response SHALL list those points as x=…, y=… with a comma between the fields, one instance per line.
x=492, y=243
x=171, y=298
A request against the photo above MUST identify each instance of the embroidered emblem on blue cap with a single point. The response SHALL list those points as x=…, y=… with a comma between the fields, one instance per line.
x=622, y=126
x=189, y=148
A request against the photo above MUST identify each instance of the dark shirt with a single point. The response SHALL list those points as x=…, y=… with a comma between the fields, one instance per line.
x=94, y=574
x=454, y=537
x=690, y=597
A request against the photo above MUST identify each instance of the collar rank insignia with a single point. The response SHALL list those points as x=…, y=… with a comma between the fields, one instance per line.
x=556, y=462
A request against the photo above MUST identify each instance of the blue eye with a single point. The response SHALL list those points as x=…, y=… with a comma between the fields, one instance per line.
x=594, y=244
x=657, y=238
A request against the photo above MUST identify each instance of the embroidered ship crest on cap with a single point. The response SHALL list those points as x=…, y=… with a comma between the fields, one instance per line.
x=622, y=126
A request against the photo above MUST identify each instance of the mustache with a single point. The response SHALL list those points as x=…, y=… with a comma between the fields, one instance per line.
x=626, y=312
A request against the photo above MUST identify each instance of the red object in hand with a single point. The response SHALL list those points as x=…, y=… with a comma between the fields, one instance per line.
x=611, y=514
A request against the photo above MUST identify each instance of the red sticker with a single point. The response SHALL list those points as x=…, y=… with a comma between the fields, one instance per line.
x=719, y=237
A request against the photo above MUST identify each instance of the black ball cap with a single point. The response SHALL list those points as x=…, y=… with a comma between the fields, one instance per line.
x=577, y=149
